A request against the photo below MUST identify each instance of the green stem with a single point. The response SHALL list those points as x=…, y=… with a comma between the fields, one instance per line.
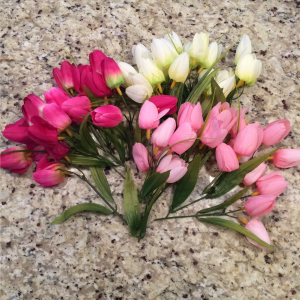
x=178, y=217
x=188, y=204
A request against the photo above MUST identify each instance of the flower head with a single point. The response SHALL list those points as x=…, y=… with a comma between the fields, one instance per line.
x=260, y=205
x=107, y=116
x=286, y=158
x=111, y=73
x=271, y=184
x=257, y=227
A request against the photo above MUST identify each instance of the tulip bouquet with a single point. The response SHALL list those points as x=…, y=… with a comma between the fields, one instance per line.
x=178, y=118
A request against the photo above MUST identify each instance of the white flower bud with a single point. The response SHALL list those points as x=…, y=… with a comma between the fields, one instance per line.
x=139, y=79
x=213, y=52
x=151, y=72
x=226, y=80
x=179, y=69
x=138, y=52
x=127, y=72
x=137, y=93
x=176, y=41
x=198, y=51
x=244, y=47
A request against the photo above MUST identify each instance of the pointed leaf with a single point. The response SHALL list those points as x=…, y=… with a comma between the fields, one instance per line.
x=153, y=182
x=79, y=208
x=78, y=159
x=86, y=139
x=236, y=227
x=217, y=91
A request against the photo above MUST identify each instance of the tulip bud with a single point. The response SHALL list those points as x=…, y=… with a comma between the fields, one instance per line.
x=56, y=96
x=175, y=40
x=257, y=227
x=244, y=47
x=276, y=132
x=260, y=205
x=213, y=52
x=254, y=175
x=163, y=102
x=138, y=52
x=286, y=158
x=271, y=184
x=199, y=47
x=137, y=93
x=127, y=72
x=176, y=165
x=96, y=58
x=213, y=134
x=192, y=114
x=226, y=158
x=77, y=108
x=248, y=68
x=163, y=133
x=17, y=132
x=107, y=116
x=179, y=69
x=16, y=162
x=140, y=156
x=111, y=73
x=150, y=71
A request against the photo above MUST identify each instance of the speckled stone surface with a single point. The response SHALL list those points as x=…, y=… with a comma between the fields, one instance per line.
x=93, y=256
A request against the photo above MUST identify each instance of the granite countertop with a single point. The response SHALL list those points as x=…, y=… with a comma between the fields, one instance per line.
x=93, y=256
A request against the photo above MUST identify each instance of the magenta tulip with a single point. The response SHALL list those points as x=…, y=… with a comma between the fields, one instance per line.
x=59, y=151
x=286, y=158
x=192, y=114
x=33, y=106
x=16, y=162
x=213, y=134
x=183, y=132
x=257, y=227
x=111, y=73
x=163, y=102
x=271, y=184
x=77, y=108
x=254, y=175
x=107, y=116
x=96, y=58
x=248, y=139
x=67, y=76
x=140, y=156
x=36, y=156
x=174, y=164
x=56, y=96
x=276, y=132
x=260, y=205
x=226, y=158
x=17, y=132
x=162, y=134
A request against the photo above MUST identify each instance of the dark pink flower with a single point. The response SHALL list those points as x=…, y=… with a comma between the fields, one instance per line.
x=56, y=96
x=107, y=116
x=17, y=132
x=96, y=58
x=163, y=102
x=77, y=108
x=111, y=73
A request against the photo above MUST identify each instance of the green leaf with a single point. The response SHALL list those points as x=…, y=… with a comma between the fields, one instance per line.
x=153, y=182
x=187, y=183
x=217, y=91
x=78, y=159
x=91, y=96
x=138, y=131
x=101, y=183
x=119, y=147
x=79, y=208
x=228, y=202
x=227, y=181
x=131, y=204
x=120, y=132
x=86, y=139
x=236, y=227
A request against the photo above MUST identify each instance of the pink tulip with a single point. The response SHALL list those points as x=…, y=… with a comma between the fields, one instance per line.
x=16, y=162
x=33, y=106
x=226, y=158
x=286, y=158
x=107, y=116
x=96, y=58
x=36, y=156
x=260, y=205
x=175, y=164
x=257, y=227
x=254, y=175
x=111, y=73
x=248, y=139
x=59, y=151
x=67, y=76
x=149, y=117
x=47, y=174
x=192, y=114
x=56, y=96
x=77, y=108
x=213, y=134
x=163, y=102
x=271, y=184
x=276, y=132
x=243, y=124
x=140, y=156
x=162, y=134
x=183, y=132
x=17, y=132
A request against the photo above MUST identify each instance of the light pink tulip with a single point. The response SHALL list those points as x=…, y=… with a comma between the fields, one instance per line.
x=254, y=175
x=107, y=116
x=213, y=134
x=149, y=116
x=271, y=184
x=16, y=162
x=17, y=132
x=192, y=114
x=163, y=133
x=226, y=158
x=96, y=58
x=260, y=205
x=243, y=124
x=175, y=164
x=286, y=158
x=183, y=132
x=140, y=156
x=56, y=96
x=276, y=132
x=163, y=102
x=257, y=227
x=248, y=139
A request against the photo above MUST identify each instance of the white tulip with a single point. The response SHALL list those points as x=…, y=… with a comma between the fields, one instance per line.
x=179, y=69
x=248, y=69
x=139, y=79
x=163, y=52
x=127, y=72
x=244, y=47
x=176, y=41
x=137, y=93
x=213, y=52
x=198, y=51
x=138, y=52
x=151, y=72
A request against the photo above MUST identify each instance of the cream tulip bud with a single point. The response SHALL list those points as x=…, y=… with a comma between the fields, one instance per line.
x=137, y=93
x=138, y=52
x=213, y=52
x=175, y=40
x=163, y=53
x=248, y=68
x=179, y=69
x=139, y=79
x=151, y=72
x=244, y=47
x=198, y=51
x=127, y=72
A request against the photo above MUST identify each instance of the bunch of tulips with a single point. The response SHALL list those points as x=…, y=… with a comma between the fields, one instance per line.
x=178, y=114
